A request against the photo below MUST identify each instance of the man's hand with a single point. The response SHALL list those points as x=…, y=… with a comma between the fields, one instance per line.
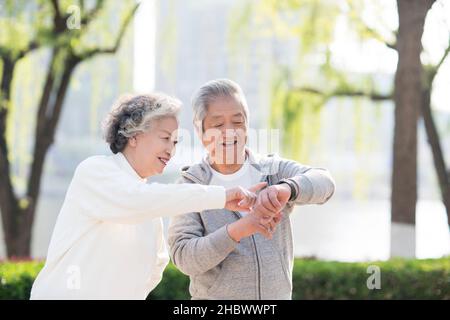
x=272, y=200
x=265, y=209
x=249, y=225
x=240, y=199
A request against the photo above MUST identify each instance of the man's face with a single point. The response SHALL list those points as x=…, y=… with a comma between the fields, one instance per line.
x=225, y=131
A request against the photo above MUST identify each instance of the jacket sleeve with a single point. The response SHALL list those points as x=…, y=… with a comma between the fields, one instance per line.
x=162, y=259
x=103, y=191
x=191, y=250
x=313, y=185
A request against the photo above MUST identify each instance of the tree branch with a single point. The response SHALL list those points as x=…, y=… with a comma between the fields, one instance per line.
x=82, y=5
x=378, y=37
x=444, y=56
x=57, y=28
x=435, y=69
x=56, y=10
x=31, y=46
x=90, y=15
x=59, y=22
x=4, y=52
x=46, y=127
x=49, y=112
x=46, y=93
x=7, y=53
x=345, y=93
x=92, y=52
x=361, y=25
x=434, y=140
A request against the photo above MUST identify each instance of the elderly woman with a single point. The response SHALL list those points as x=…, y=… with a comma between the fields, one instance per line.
x=108, y=241
x=223, y=253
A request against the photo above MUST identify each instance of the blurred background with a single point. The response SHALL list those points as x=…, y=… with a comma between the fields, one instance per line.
x=347, y=85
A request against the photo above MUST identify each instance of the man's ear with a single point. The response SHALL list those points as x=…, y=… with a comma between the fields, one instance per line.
x=198, y=127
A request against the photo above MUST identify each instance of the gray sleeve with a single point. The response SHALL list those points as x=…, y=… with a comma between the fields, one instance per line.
x=313, y=185
x=193, y=252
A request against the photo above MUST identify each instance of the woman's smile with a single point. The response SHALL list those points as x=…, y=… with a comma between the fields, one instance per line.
x=163, y=160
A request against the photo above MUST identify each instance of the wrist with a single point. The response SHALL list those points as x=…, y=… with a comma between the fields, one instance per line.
x=286, y=187
x=234, y=231
x=228, y=195
x=289, y=185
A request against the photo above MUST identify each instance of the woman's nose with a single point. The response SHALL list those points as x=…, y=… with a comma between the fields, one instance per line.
x=171, y=150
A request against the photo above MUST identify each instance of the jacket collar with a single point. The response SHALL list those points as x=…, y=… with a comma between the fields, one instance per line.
x=201, y=172
x=123, y=163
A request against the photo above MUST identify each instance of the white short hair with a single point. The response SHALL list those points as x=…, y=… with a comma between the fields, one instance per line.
x=212, y=90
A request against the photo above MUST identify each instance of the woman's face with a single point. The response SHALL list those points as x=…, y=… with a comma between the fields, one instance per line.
x=151, y=150
x=225, y=131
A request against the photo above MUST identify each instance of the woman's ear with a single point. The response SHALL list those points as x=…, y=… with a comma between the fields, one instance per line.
x=132, y=142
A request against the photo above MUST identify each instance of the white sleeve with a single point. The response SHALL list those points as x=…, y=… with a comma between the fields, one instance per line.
x=108, y=193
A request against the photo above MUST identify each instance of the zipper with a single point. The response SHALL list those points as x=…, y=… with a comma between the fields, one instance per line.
x=258, y=266
x=239, y=216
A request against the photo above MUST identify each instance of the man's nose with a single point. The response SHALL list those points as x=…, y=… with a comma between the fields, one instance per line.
x=229, y=132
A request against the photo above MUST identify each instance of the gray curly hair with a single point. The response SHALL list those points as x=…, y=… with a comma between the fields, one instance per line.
x=133, y=114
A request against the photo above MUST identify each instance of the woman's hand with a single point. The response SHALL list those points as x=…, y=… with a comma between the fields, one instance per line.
x=240, y=199
x=272, y=200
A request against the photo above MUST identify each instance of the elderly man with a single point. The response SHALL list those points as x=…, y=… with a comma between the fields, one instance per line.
x=237, y=256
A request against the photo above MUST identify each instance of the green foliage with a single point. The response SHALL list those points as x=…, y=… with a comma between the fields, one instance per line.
x=312, y=279
x=31, y=35
x=20, y=22
x=309, y=73
x=16, y=278
x=174, y=285
x=400, y=279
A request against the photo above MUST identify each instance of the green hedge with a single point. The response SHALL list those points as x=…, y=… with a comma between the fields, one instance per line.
x=16, y=278
x=400, y=279
x=313, y=279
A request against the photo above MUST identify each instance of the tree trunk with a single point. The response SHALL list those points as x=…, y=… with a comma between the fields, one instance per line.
x=8, y=200
x=18, y=212
x=18, y=219
x=45, y=134
x=18, y=241
x=408, y=99
x=436, y=149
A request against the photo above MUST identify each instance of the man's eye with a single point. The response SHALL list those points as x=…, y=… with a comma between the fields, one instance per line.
x=217, y=125
x=175, y=142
